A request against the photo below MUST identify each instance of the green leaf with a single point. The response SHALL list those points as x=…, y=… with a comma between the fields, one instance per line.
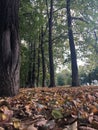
x=57, y=114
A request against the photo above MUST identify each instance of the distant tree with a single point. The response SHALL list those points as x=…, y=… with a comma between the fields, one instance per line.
x=32, y=62
x=60, y=80
x=88, y=73
x=38, y=64
x=24, y=65
x=63, y=78
x=43, y=60
x=74, y=67
x=9, y=48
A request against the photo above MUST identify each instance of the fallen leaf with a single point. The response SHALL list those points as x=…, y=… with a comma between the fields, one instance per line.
x=86, y=128
x=16, y=123
x=31, y=127
x=1, y=128
x=42, y=122
x=73, y=126
x=91, y=117
x=57, y=114
x=51, y=124
x=95, y=124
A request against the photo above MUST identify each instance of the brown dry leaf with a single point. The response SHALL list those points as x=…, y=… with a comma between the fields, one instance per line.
x=73, y=126
x=31, y=127
x=57, y=129
x=51, y=124
x=16, y=123
x=95, y=124
x=96, y=94
x=93, y=109
x=5, y=113
x=28, y=110
x=1, y=128
x=91, y=98
x=91, y=117
x=96, y=118
x=83, y=115
x=41, y=122
x=4, y=117
x=86, y=128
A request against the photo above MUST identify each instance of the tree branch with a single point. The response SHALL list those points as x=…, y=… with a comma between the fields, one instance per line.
x=79, y=18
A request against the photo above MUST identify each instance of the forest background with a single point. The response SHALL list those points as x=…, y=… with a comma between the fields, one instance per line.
x=56, y=36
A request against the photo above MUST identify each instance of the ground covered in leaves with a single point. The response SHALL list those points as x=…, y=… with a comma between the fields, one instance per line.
x=58, y=108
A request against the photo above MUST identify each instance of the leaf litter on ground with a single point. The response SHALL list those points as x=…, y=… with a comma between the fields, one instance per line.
x=57, y=108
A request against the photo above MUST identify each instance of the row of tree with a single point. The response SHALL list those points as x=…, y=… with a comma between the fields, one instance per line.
x=56, y=32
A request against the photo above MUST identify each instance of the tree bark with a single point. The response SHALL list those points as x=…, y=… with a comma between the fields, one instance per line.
x=43, y=61
x=9, y=48
x=33, y=69
x=38, y=66
x=51, y=64
x=74, y=67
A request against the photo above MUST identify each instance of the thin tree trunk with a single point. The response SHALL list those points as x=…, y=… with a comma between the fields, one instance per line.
x=51, y=64
x=38, y=69
x=75, y=80
x=31, y=72
x=43, y=61
x=29, y=79
x=9, y=48
x=89, y=78
x=33, y=69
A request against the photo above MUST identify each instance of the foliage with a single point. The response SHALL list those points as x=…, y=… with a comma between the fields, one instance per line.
x=89, y=77
x=60, y=80
x=63, y=78
x=24, y=64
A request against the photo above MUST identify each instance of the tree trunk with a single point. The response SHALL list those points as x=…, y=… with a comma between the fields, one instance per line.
x=43, y=62
x=89, y=78
x=9, y=48
x=75, y=80
x=51, y=64
x=33, y=69
x=31, y=72
x=29, y=79
x=38, y=66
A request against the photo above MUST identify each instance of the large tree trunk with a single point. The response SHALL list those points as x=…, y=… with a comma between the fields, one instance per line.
x=9, y=48
x=75, y=80
x=51, y=64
